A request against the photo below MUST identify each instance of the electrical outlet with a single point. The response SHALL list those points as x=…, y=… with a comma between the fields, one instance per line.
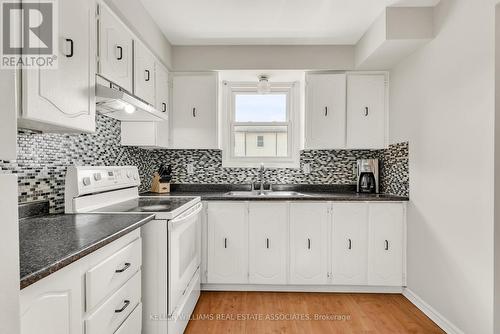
x=306, y=168
x=190, y=168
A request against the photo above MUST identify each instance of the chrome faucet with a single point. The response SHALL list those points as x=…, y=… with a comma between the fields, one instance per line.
x=261, y=176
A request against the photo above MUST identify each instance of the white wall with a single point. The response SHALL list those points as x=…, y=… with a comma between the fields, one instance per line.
x=133, y=13
x=497, y=168
x=442, y=101
x=9, y=257
x=256, y=57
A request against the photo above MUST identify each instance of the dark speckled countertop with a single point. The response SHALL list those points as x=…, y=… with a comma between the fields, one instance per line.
x=218, y=192
x=49, y=243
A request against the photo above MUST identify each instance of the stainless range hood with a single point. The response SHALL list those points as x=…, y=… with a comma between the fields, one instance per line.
x=115, y=102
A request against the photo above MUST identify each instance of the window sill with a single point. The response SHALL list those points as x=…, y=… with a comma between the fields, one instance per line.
x=256, y=164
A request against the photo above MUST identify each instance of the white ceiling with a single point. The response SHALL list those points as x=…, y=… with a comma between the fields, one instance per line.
x=264, y=22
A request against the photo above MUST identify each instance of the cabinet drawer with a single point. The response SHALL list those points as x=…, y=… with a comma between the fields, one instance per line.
x=107, y=318
x=133, y=324
x=107, y=276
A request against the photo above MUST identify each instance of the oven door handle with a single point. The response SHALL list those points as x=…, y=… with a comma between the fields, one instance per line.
x=185, y=216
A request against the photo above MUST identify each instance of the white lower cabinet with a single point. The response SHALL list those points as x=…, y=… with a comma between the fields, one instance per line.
x=309, y=242
x=268, y=225
x=349, y=243
x=53, y=305
x=386, y=244
x=227, y=242
x=62, y=303
x=115, y=310
x=133, y=324
x=305, y=243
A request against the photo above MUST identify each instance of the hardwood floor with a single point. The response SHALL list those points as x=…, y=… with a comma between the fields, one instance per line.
x=284, y=312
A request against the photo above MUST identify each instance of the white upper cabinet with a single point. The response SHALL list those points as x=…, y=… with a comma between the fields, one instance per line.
x=144, y=76
x=309, y=242
x=386, y=240
x=366, y=111
x=63, y=99
x=145, y=134
x=162, y=88
x=227, y=242
x=194, y=115
x=268, y=223
x=349, y=243
x=115, y=49
x=8, y=117
x=325, y=111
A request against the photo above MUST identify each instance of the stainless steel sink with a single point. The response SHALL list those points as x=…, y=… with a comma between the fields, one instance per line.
x=265, y=194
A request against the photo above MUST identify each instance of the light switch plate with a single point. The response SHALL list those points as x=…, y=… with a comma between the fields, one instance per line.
x=306, y=168
x=190, y=168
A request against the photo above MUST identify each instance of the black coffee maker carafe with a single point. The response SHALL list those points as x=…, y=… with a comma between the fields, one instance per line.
x=368, y=176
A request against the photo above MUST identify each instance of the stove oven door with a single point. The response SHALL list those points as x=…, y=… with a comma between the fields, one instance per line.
x=183, y=254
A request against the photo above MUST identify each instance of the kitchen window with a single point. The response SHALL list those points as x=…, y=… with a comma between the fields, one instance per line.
x=260, y=128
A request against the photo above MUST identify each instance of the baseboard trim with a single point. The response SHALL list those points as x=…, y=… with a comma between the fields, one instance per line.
x=302, y=288
x=429, y=311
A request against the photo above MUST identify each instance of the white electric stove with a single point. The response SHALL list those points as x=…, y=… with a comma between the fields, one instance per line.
x=171, y=248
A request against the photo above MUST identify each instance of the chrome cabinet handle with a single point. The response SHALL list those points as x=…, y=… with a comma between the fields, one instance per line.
x=267, y=243
x=366, y=111
x=125, y=267
x=326, y=111
x=164, y=107
x=126, y=303
x=349, y=244
x=71, y=46
x=308, y=243
x=386, y=245
x=119, y=48
x=194, y=112
x=225, y=242
x=148, y=75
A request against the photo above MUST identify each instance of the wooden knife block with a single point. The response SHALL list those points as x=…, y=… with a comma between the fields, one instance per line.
x=159, y=187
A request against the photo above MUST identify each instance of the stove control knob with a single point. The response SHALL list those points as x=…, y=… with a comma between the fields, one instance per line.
x=129, y=174
x=86, y=181
x=97, y=176
x=136, y=176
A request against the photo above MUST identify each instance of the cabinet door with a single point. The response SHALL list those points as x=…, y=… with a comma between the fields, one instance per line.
x=326, y=111
x=194, y=118
x=227, y=242
x=115, y=49
x=63, y=99
x=309, y=243
x=267, y=242
x=53, y=305
x=350, y=243
x=144, y=76
x=366, y=95
x=145, y=134
x=8, y=117
x=386, y=235
x=161, y=82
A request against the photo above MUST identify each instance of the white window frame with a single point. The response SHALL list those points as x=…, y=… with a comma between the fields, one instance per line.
x=230, y=89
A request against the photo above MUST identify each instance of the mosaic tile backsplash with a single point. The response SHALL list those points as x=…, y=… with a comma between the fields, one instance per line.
x=43, y=159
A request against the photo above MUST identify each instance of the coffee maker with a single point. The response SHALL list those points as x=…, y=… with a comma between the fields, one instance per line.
x=368, y=176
